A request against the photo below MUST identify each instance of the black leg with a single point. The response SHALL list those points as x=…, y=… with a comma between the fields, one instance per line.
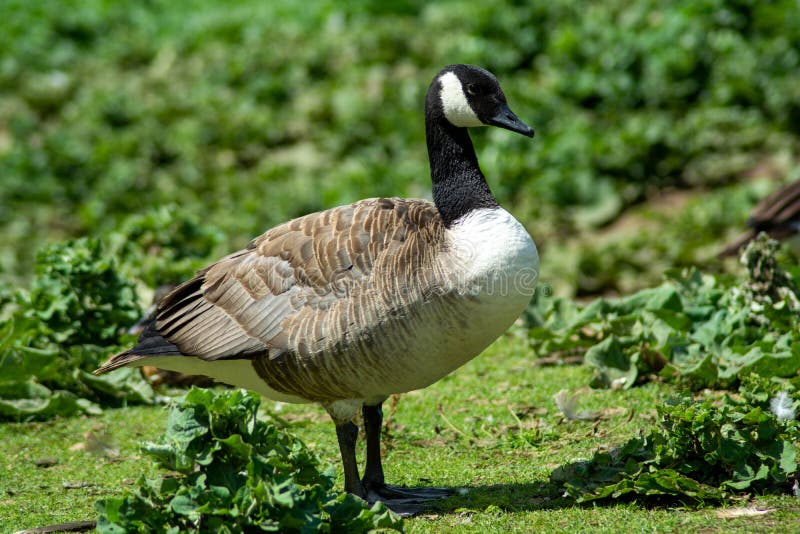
x=347, y=434
x=404, y=501
x=373, y=420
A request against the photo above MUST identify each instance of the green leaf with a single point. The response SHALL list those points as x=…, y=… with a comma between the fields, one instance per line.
x=72, y=318
x=701, y=451
x=238, y=473
x=614, y=366
x=698, y=329
x=788, y=458
x=126, y=384
x=184, y=505
x=29, y=400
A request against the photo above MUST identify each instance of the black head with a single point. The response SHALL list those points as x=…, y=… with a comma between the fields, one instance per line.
x=469, y=96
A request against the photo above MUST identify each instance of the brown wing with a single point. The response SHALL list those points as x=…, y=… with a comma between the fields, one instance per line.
x=778, y=214
x=779, y=209
x=276, y=293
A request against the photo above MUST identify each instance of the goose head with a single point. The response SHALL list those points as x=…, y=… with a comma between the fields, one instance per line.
x=468, y=96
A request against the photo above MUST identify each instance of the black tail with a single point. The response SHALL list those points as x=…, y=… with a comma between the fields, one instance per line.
x=151, y=343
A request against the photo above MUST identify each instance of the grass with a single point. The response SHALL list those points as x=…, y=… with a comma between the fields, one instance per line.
x=492, y=428
x=101, y=451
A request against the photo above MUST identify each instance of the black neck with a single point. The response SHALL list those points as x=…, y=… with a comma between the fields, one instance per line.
x=458, y=183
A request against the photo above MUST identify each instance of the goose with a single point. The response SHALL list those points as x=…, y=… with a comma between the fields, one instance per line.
x=778, y=214
x=348, y=306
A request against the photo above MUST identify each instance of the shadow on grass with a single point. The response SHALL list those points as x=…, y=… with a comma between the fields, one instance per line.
x=532, y=496
x=541, y=495
x=523, y=496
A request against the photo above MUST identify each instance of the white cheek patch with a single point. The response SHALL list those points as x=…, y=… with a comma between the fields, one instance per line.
x=454, y=102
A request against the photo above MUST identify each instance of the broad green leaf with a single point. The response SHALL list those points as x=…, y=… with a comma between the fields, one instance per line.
x=788, y=458
x=612, y=362
x=701, y=450
x=238, y=473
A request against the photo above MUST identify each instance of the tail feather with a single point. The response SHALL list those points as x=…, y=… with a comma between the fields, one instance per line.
x=151, y=343
x=118, y=360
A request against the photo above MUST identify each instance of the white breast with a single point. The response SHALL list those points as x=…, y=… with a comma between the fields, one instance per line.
x=494, y=257
x=491, y=265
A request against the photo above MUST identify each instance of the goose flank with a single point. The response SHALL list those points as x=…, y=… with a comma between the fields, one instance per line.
x=347, y=306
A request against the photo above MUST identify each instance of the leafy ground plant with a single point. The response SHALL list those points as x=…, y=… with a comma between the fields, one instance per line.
x=55, y=334
x=707, y=330
x=79, y=307
x=701, y=450
x=235, y=473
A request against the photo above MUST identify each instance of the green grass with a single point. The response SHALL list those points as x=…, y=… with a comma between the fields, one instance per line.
x=34, y=496
x=459, y=432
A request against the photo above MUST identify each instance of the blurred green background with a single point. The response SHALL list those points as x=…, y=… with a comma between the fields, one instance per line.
x=184, y=128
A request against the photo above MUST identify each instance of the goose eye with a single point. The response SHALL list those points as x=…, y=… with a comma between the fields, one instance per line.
x=472, y=89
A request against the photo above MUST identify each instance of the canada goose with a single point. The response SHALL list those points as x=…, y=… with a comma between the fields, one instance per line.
x=347, y=306
x=778, y=215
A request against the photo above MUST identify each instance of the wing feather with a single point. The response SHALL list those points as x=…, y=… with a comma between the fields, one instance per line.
x=296, y=285
x=778, y=214
x=779, y=208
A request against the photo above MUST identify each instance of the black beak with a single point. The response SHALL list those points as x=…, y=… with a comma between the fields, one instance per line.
x=505, y=118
